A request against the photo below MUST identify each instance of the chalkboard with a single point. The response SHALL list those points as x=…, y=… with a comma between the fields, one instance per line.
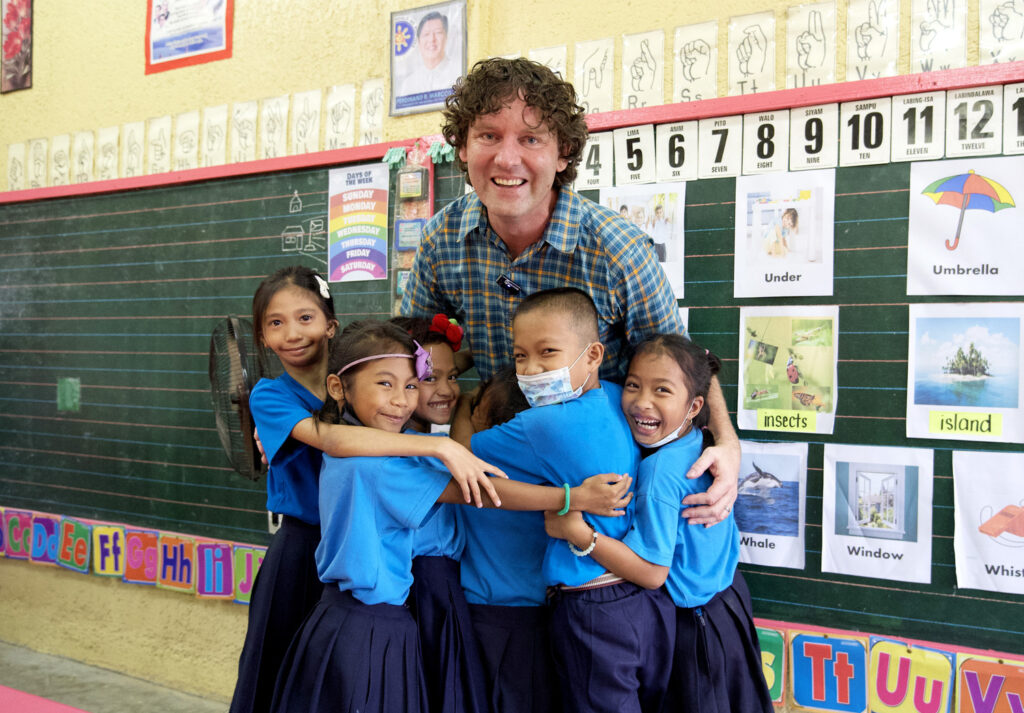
x=121, y=291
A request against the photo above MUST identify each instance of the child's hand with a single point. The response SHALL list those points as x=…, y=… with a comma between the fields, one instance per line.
x=605, y=494
x=469, y=471
x=570, y=526
x=259, y=444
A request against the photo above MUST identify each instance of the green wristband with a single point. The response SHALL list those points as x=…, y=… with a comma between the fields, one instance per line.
x=565, y=508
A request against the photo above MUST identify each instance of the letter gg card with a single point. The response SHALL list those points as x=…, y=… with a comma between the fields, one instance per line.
x=141, y=556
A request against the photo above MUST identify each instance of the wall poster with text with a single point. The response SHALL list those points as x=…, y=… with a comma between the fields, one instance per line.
x=357, y=244
x=180, y=33
x=770, y=503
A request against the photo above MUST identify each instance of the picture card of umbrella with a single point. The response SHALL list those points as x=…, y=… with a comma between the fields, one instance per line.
x=876, y=512
x=788, y=376
x=965, y=220
x=988, y=508
x=964, y=372
x=770, y=503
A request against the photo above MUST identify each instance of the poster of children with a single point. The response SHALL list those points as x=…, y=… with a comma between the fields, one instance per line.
x=657, y=209
x=784, y=234
x=876, y=512
x=787, y=379
x=770, y=504
x=964, y=227
x=964, y=372
x=988, y=509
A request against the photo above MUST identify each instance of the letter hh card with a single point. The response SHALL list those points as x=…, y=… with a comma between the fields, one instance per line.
x=964, y=234
x=828, y=672
x=770, y=505
x=877, y=512
x=964, y=372
x=784, y=234
x=788, y=374
x=988, y=499
x=177, y=568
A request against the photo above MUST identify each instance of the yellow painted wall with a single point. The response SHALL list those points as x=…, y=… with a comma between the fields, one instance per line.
x=89, y=58
x=173, y=639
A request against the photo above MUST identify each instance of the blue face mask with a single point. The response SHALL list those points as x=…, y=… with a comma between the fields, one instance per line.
x=551, y=387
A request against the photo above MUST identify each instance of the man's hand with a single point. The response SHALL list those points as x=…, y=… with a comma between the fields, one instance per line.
x=723, y=462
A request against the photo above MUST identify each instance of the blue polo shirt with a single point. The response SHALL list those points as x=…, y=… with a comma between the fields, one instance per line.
x=277, y=406
x=553, y=445
x=370, y=509
x=701, y=560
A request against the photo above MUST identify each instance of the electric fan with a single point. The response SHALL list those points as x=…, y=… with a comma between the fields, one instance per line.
x=236, y=364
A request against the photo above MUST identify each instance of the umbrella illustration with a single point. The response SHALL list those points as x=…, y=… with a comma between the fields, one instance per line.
x=968, y=190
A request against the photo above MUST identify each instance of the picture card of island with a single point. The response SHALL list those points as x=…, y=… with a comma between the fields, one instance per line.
x=964, y=361
x=769, y=494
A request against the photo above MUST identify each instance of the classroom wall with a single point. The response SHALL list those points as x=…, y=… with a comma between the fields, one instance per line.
x=89, y=58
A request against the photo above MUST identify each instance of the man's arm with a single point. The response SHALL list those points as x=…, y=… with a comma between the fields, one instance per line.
x=722, y=460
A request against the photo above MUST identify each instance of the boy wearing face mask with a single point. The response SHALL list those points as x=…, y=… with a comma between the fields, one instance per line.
x=609, y=636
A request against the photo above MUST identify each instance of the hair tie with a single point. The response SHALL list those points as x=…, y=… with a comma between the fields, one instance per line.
x=424, y=367
x=325, y=290
x=449, y=329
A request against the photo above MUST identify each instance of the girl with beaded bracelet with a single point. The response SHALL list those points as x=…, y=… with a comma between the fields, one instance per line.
x=358, y=650
x=716, y=661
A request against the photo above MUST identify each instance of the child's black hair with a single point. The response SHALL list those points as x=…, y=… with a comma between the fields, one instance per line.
x=291, y=276
x=358, y=340
x=419, y=329
x=575, y=303
x=506, y=398
x=697, y=364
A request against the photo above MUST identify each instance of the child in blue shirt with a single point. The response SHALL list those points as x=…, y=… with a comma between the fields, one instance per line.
x=717, y=660
x=609, y=636
x=358, y=650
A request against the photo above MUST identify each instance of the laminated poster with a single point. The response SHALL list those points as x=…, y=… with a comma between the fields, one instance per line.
x=186, y=32
x=107, y=163
x=36, y=162
x=133, y=149
x=988, y=509
x=16, y=167
x=1001, y=28
x=788, y=379
x=158, y=145
x=214, y=151
x=339, y=120
x=964, y=372
x=770, y=505
x=60, y=160
x=811, y=45
x=357, y=247
x=876, y=512
x=986, y=684
x=305, y=122
x=872, y=38
x=658, y=210
x=784, y=234
x=274, y=126
x=186, y=140
x=964, y=233
x=594, y=72
x=773, y=661
x=938, y=35
x=643, y=69
x=907, y=678
x=751, y=53
x=428, y=53
x=243, y=131
x=371, y=116
x=695, y=63
x=83, y=153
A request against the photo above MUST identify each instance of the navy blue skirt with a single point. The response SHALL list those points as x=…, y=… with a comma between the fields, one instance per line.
x=451, y=658
x=717, y=663
x=285, y=591
x=351, y=657
x=515, y=650
x=612, y=647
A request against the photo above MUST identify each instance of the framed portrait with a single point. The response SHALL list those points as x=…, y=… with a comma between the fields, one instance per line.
x=16, y=37
x=181, y=33
x=428, y=53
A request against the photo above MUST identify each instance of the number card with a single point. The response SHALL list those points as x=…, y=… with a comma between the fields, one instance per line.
x=865, y=132
x=597, y=169
x=634, y=155
x=765, y=141
x=719, y=148
x=1013, y=119
x=676, y=151
x=974, y=122
x=814, y=137
x=918, y=126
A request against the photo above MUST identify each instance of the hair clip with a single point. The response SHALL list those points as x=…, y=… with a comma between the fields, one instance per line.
x=325, y=290
x=449, y=329
x=424, y=365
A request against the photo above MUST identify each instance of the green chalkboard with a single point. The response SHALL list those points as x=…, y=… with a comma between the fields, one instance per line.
x=121, y=291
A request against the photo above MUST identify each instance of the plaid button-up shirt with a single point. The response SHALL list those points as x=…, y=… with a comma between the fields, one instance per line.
x=585, y=245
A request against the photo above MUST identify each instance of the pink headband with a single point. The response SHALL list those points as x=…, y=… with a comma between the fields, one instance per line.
x=424, y=367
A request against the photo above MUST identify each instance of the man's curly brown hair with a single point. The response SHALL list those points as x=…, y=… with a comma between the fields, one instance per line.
x=496, y=81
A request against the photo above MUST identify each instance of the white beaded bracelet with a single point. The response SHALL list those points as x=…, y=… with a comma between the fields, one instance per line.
x=583, y=553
